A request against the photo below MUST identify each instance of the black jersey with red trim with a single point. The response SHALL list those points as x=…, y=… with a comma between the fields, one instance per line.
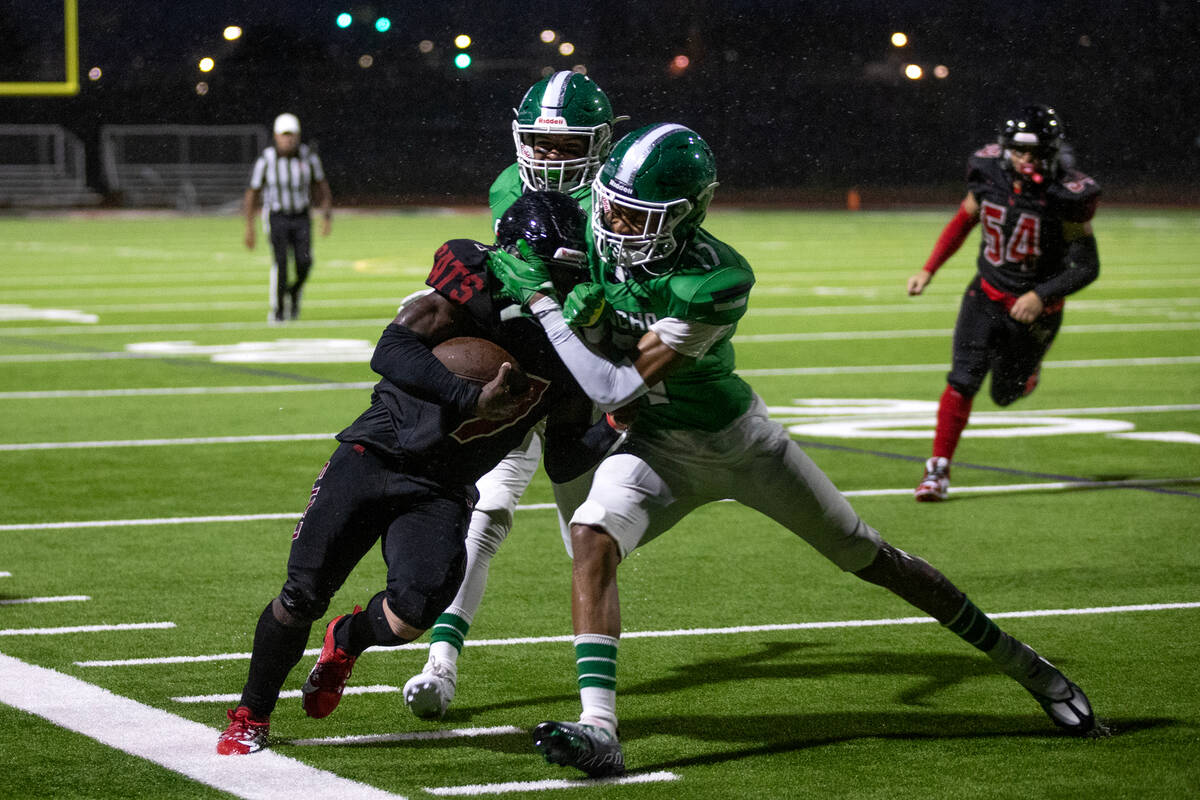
x=1022, y=220
x=425, y=437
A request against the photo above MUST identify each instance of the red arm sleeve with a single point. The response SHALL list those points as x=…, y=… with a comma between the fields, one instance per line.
x=953, y=235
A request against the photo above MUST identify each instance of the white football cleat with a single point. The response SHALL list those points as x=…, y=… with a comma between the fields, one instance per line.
x=428, y=694
x=1063, y=701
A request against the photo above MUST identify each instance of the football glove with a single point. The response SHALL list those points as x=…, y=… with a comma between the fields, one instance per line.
x=521, y=278
x=585, y=306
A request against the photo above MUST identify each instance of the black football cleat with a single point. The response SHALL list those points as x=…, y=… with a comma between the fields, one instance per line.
x=589, y=748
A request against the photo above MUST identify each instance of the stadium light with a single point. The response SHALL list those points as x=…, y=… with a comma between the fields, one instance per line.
x=462, y=41
x=383, y=24
x=462, y=60
x=232, y=32
x=913, y=72
x=344, y=20
x=899, y=39
x=206, y=64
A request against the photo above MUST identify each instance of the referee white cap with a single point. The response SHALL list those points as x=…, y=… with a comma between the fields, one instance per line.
x=287, y=123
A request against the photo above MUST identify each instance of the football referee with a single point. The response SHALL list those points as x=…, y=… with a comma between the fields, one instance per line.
x=288, y=171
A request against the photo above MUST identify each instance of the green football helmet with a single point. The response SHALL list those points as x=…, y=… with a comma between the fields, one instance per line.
x=566, y=103
x=659, y=179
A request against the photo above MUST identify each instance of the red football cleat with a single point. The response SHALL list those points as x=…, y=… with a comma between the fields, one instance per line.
x=245, y=734
x=323, y=689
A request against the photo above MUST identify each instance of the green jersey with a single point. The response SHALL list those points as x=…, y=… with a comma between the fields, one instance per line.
x=508, y=187
x=710, y=284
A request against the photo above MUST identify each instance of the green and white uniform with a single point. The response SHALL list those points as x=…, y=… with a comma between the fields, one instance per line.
x=703, y=435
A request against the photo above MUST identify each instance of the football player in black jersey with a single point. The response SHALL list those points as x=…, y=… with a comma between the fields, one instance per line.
x=1037, y=247
x=404, y=472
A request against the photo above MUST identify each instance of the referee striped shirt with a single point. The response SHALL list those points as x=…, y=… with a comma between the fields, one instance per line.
x=286, y=181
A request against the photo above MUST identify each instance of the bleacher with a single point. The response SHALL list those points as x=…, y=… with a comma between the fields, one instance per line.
x=187, y=167
x=42, y=166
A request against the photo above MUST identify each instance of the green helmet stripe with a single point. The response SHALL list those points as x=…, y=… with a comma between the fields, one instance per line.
x=637, y=152
x=555, y=96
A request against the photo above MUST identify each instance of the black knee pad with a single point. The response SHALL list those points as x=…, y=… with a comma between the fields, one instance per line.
x=302, y=603
x=384, y=635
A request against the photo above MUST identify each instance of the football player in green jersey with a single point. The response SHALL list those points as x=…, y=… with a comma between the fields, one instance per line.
x=562, y=132
x=672, y=295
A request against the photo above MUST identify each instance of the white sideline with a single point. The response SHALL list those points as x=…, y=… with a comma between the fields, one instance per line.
x=172, y=742
x=784, y=626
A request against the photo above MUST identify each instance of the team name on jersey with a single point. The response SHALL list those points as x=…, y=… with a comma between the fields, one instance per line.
x=639, y=321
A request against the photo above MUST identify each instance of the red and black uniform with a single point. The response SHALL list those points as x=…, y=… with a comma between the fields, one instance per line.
x=1022, y=249
x=404, y=472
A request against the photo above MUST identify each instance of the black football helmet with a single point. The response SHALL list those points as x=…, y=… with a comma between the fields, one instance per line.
x=1037, y=129
x=555, y=227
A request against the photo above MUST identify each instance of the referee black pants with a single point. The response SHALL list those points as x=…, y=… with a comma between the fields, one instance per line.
x=289, y=232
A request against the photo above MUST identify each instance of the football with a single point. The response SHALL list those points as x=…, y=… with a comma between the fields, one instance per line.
x=477, y=360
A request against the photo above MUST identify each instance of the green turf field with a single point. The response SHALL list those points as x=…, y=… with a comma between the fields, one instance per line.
x=158, y=440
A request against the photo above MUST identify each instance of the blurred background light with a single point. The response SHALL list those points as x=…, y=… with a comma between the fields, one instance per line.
x=462, y=60
x=383, y=24
x=232, y=32
x=548, y=36
x=425, y=46
x=566, y=49
x=344, y=20
x=366, y=60
x=913, y=72
x=201, y=88
x=899, y=39
x=941, y=71
x=206, y=64
x=462, y=41
x=94, y=74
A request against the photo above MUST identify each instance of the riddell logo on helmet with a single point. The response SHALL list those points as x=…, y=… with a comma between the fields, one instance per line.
x=557, y=122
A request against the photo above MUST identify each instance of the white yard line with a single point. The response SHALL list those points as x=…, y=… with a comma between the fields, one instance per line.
x=172, y=742
x=479, y=789
x=64, y=598
x=170, y=391
x=739, y=629
x=187, y=440
x=289, y=694
x=292, y=515
x=414, y=736
x=759, y=338
x=73, y=629
x=1107, y=363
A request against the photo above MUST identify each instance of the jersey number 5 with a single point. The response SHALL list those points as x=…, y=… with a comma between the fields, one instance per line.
x=1021, y=246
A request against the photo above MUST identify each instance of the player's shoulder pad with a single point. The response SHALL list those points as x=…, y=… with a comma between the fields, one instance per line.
x=504, y=191
x=1073, y=197
x=984, y=160
x=712, y=283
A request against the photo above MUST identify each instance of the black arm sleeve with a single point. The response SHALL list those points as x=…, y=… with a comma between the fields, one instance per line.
x=572, y=450
x=404, y=360
x=1083, y=266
